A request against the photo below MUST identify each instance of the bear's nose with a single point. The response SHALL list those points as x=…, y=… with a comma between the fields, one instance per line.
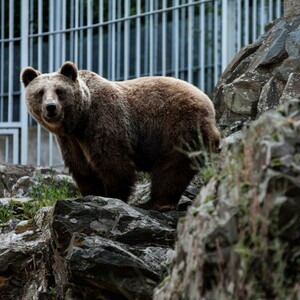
x=51, y=108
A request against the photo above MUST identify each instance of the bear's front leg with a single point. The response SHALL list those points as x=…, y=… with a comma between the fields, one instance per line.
x=89, y=185
x=118, y=183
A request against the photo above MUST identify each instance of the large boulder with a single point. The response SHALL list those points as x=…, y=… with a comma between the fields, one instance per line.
x=256, y=78
x=241, y=238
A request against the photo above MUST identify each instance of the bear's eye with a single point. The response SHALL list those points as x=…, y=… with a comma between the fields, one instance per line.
x=59, y=92
x=41, y=93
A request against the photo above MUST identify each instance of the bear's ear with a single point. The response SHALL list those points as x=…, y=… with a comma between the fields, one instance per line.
x=28, y=74
x=70, y=70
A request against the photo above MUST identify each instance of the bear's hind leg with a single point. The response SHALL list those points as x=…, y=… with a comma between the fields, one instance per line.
x=168, y=181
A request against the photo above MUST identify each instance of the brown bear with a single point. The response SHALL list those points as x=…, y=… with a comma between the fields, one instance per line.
x=108, y=130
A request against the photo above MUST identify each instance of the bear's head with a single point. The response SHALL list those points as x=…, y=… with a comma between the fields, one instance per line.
x=58, y=100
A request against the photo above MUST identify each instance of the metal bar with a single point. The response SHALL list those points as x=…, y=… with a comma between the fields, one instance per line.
x=146, y=40
x=24, y=63
x=190, y=42
x=224, y=33
x=181, y=40
x=246, y=31
x=81, y=35
x=2, y=33
x=216, y=42
x=155, y=38
x=202, y=47
x=119, y=40
x=114, y=21
x=254, y=20
x=10, y=61
x=16, y=147
x=262, y=16
x=100, y=39
x=278, y=8
x=270, y=11
x=239, y=25
x=40, y=67
x=151, y=42
x=126, y=39
x=63, y=37
x=175, y=38
x=75, y=45
x=6, y=148
x=164, y=39
x=90, y=35
x=51, y=66
x=113, y=42
x=138, y=40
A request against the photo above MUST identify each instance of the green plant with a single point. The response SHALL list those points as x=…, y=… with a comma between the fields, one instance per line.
x=5, y=214
x=45, y=192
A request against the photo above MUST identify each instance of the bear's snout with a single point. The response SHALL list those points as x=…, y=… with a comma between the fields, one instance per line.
x=51, y=108
x=51, y=111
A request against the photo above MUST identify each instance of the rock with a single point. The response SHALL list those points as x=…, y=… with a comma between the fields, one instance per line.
x=241, y=237
x=292, y=89
x=25, y=263
x=9, y=174
x=107, y=246
x=291, y=7
x=256, y=78
x=293, y=43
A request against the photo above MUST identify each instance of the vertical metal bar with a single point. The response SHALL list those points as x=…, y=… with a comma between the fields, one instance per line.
x=151, y=44
x=76, y=45
x=57, y=36
x=100, y=39
x=113, y=42
x=24, y=63
x=51, y=66
x=270, y=11
x=262, y=17
x=6, y=148
x=138, y=40
x=182, y=39
x=216, y=41
x=202, y=47
x=190, y=41
x=31, y=29
x=246, y=18
x=11, y=60
x=175, y=37
x=155, y=37
x=40, y=67
x=90, y=35
x=126, y=39
x=239, y=25
x=81, y=34
x=16, y=148
x=278, y=8
x=254, y=20
x=63, y=35
x=224, y=33
x=119, y=39
x=2, y=33
x=164, y=39
x=72, y=41
x=146, y=39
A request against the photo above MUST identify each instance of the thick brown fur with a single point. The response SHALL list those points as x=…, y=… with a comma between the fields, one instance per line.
x=107, y=131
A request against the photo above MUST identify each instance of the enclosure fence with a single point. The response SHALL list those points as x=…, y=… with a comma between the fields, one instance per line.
x=120, y=40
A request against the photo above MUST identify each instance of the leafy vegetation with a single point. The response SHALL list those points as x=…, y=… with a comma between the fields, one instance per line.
x=44, y=191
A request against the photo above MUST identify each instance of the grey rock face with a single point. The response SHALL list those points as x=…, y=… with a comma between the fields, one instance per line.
x=107, y=246
x=256, y=78
x=241, y=237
